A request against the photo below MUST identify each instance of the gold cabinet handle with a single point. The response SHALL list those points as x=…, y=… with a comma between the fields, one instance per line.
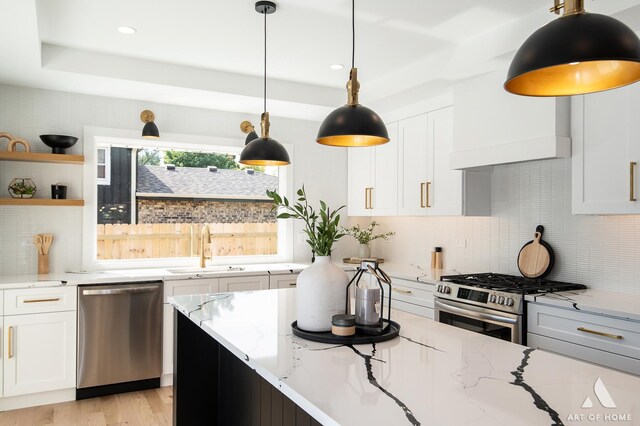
x=600, y=333
x=428, y=192
x=632, y=181
x=292, y=284
x=41, y=300
x=401, y=290
x=366, y=198
x=422, y=185
x=10, y=342
x=371, y=198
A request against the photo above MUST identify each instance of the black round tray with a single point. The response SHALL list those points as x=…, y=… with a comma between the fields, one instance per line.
x=360, y=338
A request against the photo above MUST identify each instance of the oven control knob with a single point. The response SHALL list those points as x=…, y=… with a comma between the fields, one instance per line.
x=501, y=300
x=492, y=298
x=439, y=288
x=509, y=302
x=447, y=289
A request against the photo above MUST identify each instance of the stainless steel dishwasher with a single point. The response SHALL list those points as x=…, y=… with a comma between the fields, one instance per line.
x=119, y=338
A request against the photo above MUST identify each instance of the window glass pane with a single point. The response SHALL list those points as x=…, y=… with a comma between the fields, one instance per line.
x=101, y=156
x=101, y=172
x=162, y=213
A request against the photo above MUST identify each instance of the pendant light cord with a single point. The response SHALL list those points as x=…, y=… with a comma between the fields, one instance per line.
x=353, y=33
x=265, y=61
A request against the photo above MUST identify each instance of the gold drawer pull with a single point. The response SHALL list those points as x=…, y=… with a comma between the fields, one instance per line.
x=292, y=284
x=371, y=198
x=422, y=195
x=401, y=290
x=601, y=333
x=632, y=181
x=10, y=342
x=428, y=191
x=41, y=300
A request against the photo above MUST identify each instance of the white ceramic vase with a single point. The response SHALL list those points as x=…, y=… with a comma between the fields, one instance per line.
x=363, y=251
x=320, y=294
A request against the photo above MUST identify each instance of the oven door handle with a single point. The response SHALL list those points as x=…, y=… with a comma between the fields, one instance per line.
x=471, y=312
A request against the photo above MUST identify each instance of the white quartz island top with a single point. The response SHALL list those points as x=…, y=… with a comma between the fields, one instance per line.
x=433, y=374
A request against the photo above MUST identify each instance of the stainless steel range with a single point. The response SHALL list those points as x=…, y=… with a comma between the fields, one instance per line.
x=491, y=304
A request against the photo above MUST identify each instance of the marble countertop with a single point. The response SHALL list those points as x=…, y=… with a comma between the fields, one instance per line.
x=432, y=374
x=395, y=270
x=593, y=300
x=150, y=274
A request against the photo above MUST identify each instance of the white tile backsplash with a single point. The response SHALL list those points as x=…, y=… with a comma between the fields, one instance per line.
x=599, y=251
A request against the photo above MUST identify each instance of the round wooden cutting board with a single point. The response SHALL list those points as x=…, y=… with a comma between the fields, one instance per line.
x=536, y=257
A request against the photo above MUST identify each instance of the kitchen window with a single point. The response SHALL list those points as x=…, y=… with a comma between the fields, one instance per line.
x=103, y=163
x=158, y=197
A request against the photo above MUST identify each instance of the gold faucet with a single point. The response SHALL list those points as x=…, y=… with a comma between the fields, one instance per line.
x=205, y=238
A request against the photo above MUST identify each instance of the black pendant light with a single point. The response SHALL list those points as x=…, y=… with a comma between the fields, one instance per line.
x=264, y=151
x=353, y=124
x=150, y=130
x=577, y=53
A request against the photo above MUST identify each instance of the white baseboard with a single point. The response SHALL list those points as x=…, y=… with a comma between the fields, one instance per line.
x=35, y=399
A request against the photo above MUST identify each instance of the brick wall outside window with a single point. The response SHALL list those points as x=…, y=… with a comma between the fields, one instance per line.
x=204, y=211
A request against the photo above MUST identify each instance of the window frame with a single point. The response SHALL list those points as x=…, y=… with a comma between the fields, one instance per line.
x=96, y=136
x=106, y=180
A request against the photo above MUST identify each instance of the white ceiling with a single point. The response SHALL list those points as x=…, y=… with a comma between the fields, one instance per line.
x=209, y=53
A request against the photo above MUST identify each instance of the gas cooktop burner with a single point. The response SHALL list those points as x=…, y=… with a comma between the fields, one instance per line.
x=511, y=283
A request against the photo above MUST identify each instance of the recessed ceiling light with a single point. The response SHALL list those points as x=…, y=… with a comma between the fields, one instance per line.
x=574, y=63
x=127, y=30
x=336, y=66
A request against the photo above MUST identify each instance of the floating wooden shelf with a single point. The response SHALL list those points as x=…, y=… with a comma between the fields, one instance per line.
x=39, y=202
x=39, y=157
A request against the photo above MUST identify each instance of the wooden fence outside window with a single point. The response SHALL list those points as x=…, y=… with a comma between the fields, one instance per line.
x=162, y=240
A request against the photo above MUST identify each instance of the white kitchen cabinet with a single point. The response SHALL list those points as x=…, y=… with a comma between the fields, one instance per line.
x=605, y=132
x=360, y=180
x=40, y=300
x=412, y=296
x=167, y=343
x=413, y=165
x=244, y=283
x=427, y=185
x=191, y=286
x=612, y=342
x=178, y=288
x=373, y=178
x=283, y=280
x=39, y=352
x=1, y=341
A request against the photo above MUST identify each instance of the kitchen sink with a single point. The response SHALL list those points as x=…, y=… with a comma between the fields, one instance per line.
x=191, y=270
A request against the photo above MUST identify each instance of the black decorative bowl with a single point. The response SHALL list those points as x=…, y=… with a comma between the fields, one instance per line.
x=58, y=143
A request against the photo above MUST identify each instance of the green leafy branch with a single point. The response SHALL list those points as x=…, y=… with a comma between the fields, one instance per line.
x=321, y=227
x=366, y=235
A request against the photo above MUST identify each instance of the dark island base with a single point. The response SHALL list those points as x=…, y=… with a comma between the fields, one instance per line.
x=211, y=386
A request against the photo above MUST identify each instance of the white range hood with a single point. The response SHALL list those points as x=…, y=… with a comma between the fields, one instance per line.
x=494, y=127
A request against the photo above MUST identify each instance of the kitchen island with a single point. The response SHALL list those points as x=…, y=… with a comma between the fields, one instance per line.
x=237, y=362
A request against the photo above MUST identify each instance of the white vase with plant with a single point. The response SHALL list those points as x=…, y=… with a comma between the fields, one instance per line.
x=321, y=287
x=365, y=236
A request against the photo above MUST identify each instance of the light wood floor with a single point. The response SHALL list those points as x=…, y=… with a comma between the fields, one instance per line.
x=146, y=408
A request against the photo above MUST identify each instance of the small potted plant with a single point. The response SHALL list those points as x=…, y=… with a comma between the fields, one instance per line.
x=22, y=188
x=321, y=287
x=365, y=236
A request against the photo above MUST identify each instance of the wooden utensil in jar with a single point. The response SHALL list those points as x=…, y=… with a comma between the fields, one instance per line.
x=43, y=243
